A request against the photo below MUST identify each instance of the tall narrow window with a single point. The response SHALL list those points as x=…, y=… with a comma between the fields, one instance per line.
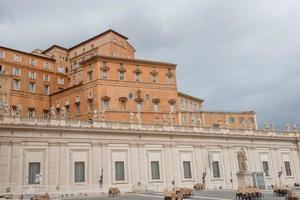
x=170, y=76
x=32, y=75
x=79, y=172
x=34, y=172
x=16, y=84
x=216, y=169
x=91, y=106
x=153, y=74
x=77, y=108
x=31, y=112
x=46, y=65
x=16, y=72
x=287, y=167
x=2, y=54
x=119, y=171
x=46, y=114
x=122, y=101
x=105, y=103
x=122, y=71
x=32, y=62
x=46, y=89
x=172, y=105
x=265, y=166
x=31, y=87
x=187, y=172
x=139, y=106
x=155, y=174
x=137, y=73
x=105, y=70
x=155, y=105
x=17, y=58
x=90, y=75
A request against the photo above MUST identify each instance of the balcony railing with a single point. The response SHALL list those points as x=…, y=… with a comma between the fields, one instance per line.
x=26, y=121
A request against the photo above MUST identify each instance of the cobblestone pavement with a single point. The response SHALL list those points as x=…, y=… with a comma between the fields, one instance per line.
x=201, y=195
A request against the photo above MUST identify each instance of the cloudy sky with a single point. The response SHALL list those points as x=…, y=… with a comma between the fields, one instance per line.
x=237, y=55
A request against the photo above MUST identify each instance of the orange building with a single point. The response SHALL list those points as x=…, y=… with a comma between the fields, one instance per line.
x=100, y=79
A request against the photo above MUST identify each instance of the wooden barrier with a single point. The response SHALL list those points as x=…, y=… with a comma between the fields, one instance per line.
x=249, y=193
x=199, y=186
x=114, y=191
x=172, y=195
x=186, y=192
x=41, y=197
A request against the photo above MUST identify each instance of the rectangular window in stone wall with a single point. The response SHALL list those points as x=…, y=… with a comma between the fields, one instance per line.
x=187, y=170
x=79, y=172
x=216, y=169
x=34, y=172
x=287, y=166
x=155, y=174
x=119, y=171
x=265, y=166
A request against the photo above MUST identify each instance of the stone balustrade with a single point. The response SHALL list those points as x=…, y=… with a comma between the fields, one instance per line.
x=145, y=127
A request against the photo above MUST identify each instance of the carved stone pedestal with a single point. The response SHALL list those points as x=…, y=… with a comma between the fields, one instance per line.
x=244, y=179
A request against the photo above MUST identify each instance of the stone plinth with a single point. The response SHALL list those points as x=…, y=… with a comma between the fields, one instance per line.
x=244, y=179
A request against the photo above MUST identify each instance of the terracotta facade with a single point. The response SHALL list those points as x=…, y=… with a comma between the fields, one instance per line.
x=100, y=79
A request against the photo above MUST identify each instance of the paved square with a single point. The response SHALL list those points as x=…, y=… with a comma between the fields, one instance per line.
x=203, y=195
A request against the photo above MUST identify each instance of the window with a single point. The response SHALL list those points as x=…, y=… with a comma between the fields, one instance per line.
x=265, y=166
x=32, y=75
x=287, y=167
x=1, y=68
x=172, y=107
x=46, y=114
x=90, y=75
x=231, y=120
x=77, y=108
x=46, y=65
x=130, y=96
x=122, y=75
x=139, y=106
x=104, y=74
x=34, y=172
x=187, y=170
x=31, y=87
x=47, y=89
x=155, y=174
x=31, y=112
x=137, y=77
x=60, y=81
x=60, y=69
x=16, y=84
x=46, y=78
x=105, y=104
x=2, y=54
x=32, y=62
x=123, y=104
x=17, y=58
x=216, y=169
x=119, y=171
x=185, y=119
x=79, y=172
x=241, y=120
x=155, y=106
x=16, y=72
x=90, y=106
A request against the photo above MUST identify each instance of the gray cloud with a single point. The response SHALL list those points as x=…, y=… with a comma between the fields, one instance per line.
x=237, y=55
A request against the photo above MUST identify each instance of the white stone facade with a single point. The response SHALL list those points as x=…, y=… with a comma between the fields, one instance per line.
x=58, y=145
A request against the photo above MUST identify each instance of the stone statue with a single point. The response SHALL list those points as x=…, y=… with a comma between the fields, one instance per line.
x=194, y=121
x=96, y=115
x=171, y=118
x=138, y=117
x=288, y=127
x=63, y=112
x=131, y=117
x=6, y=108
x=295, y=128
x=266, y=126
x=273, y=127
x=242, y=161
x=199, y=121
x=19, y=109
x=53, y=112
